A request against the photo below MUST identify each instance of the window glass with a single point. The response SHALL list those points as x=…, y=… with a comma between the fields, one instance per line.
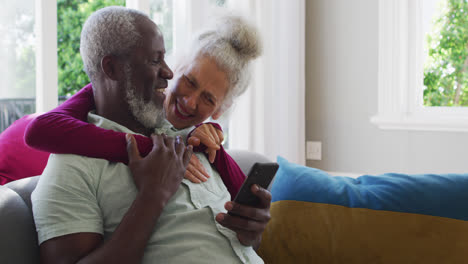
x=161, y=12
x=218, y=2
x=446, y=64
x=71, y=15
x=17, y=61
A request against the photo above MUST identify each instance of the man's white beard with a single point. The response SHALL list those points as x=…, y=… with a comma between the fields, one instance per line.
x=149, y=114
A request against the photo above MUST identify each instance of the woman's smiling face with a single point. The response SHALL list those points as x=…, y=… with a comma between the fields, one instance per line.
x=197, y=93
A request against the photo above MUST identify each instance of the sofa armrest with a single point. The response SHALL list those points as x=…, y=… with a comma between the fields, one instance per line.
x=24, y=188
x=18, y=239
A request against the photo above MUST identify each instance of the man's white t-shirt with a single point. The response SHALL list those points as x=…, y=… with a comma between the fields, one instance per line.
x=80, y=194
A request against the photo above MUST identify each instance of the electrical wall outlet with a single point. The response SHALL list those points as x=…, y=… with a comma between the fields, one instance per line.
x=314, y=150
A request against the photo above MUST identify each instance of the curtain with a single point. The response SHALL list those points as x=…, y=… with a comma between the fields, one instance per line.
x=270, y=117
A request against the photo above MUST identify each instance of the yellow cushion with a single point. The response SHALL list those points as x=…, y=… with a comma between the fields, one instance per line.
x=305, y=232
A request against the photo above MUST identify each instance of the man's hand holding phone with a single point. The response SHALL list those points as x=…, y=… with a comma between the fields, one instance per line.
x=247, y=221
x=249, y=213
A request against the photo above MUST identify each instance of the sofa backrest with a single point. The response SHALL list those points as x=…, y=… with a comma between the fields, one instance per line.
x=246, y=159
x=18, y=238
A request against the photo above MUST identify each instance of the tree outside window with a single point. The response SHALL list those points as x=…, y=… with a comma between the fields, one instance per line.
x=446, y=69
x=71, y=15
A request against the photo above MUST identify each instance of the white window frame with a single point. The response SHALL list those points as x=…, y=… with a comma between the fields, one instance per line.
x=400, y=78
x=46, y=55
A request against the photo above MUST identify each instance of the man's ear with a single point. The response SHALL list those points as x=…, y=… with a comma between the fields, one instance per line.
x=110, y=66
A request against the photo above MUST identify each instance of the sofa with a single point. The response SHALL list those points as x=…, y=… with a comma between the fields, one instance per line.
x=18, y=239
x=316, y=217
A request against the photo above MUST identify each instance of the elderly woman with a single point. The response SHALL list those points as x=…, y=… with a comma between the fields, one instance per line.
x=207, y=79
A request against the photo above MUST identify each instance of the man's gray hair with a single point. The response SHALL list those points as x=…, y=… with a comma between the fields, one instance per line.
x=233, y=42
x=109, y=31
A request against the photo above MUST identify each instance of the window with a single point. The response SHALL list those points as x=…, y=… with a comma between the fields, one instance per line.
x=401, y=72
x=42, y=38
x=17, y=56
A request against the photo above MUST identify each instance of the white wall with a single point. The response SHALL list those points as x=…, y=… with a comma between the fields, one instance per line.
x=341, y=96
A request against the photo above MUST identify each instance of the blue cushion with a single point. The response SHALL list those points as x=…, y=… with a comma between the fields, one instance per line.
x=443, y=195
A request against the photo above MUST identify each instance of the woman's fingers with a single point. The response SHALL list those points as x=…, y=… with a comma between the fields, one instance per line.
x=211, y=155
x=189, y=176
x=206, y=139
x=220, y=135
x=214, y=134
x=132, y=149
x=195, y=171
x=194, y=141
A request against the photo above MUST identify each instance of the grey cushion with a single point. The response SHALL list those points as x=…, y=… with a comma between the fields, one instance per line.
x=24, y=188
x=18, y=239
x=246, y=159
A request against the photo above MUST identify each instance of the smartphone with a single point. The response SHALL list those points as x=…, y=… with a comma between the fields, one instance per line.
x=261, y=174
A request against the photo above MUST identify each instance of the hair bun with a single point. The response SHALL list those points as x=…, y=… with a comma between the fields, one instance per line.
x=241, y=34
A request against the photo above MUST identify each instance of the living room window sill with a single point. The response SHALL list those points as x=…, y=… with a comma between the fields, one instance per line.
x=453, y=123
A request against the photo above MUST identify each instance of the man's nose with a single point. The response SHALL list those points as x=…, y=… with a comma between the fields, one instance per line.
x=166, y=72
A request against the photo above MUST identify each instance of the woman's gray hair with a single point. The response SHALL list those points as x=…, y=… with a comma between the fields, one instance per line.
x=233, y=42
x=109, y=31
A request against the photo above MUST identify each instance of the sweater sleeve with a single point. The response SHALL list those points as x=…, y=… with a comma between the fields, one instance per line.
x=230, y=172
x=232, y=175
x=65, y=130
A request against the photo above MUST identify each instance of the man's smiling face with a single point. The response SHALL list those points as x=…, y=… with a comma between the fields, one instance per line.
x=146, y=75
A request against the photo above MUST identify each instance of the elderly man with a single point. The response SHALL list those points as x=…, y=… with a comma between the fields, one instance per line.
x=95, y=211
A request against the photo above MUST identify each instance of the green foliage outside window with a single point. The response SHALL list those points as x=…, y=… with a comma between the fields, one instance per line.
x=71, y=15
x=446, y=70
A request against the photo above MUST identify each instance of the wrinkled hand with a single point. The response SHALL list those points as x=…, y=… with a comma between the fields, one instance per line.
x=248, y=222
x=195, y=172
x=159, y=173
x=209, y=136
